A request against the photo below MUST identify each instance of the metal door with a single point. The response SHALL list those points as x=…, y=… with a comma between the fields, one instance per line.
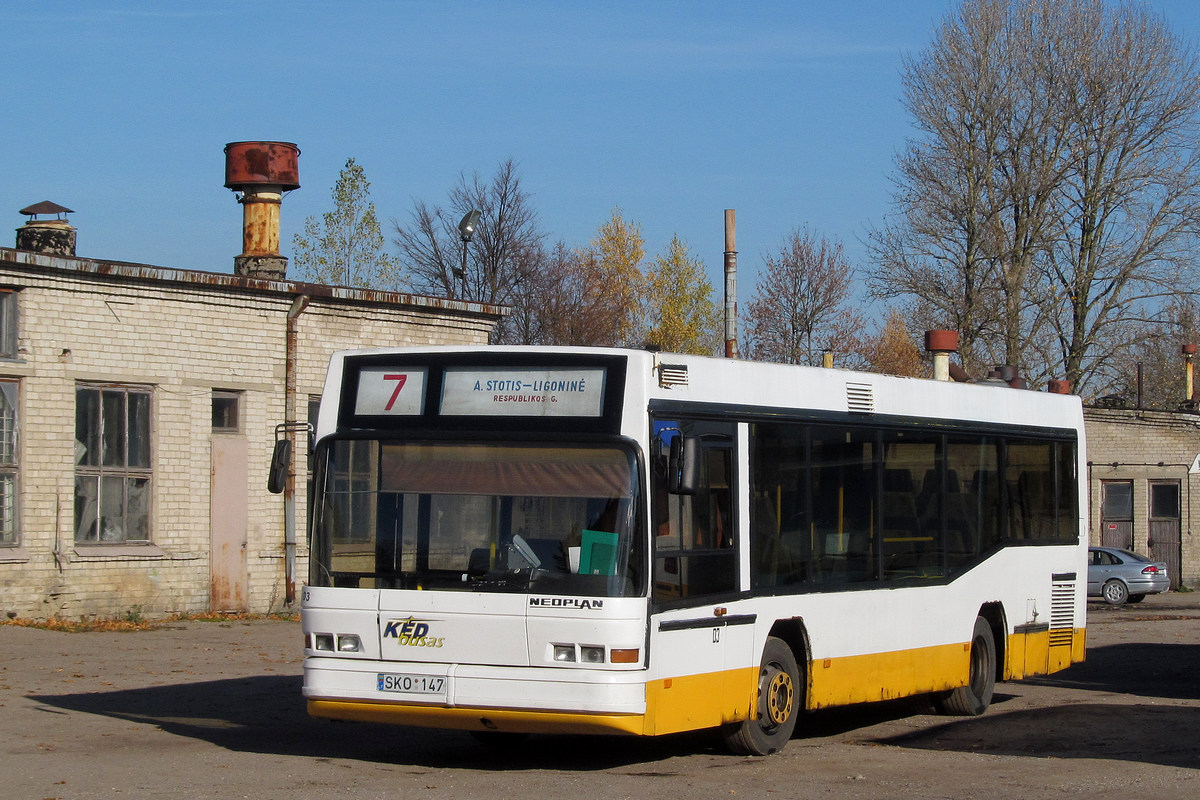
x=1116, y=514
x=1165, y=541
x=228, y=522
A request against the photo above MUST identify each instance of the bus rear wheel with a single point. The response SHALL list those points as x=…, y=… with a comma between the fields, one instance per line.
x=974, y=698
x=779, y=700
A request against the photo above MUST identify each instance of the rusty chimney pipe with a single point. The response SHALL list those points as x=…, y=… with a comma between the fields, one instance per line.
x=1059, y=387
x=262, y=172
x=731, y=350
x=941, y=344
x=1189, y=383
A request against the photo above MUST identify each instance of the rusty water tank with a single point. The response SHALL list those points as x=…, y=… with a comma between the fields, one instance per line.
x=250, y=164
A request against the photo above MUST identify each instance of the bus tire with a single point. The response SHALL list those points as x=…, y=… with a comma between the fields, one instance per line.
x=974, y=698
x=778, y=702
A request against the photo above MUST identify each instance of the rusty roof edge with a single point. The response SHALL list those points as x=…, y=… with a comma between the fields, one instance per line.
x=146, y=272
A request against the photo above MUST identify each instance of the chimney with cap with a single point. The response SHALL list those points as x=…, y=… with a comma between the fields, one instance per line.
x=941, y=344
x=261, y=172
x=51, y=236
x=1189, y=391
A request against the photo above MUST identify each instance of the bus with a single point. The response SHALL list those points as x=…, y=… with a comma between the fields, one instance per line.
x=514, y=540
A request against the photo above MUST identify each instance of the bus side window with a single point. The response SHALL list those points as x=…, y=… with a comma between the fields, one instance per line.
x=694, y=545
x=713, y=526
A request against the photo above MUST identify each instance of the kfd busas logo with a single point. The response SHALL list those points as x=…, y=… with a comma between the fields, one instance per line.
x=411, y=633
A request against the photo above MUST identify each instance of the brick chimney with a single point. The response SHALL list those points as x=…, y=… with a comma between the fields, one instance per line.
x=51, y=236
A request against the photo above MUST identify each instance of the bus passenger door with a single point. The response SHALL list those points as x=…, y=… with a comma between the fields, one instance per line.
x=696, y=573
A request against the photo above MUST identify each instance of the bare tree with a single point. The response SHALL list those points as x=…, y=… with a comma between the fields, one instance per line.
x=1130, y=208
x=584, y=297
x=1053, y=189
x=503, y=256
x=800, y=306
x=1153, y=369
x=934, y=251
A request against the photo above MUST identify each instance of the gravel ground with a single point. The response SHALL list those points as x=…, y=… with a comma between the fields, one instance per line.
x=213, y=710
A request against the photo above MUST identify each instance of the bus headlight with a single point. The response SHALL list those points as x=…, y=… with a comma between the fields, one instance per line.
x=323, y=641
x=592, y=655
x=564, y=652
x=349, y=643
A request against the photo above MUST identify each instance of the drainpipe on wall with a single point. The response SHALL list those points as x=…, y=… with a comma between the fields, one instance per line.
x=289, y=490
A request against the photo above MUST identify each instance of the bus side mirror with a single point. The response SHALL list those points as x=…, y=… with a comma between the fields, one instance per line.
x=281, y=459
x=683, y=465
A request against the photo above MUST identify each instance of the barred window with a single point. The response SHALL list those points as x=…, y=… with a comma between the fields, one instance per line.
x=112, y=464
x=9, y=455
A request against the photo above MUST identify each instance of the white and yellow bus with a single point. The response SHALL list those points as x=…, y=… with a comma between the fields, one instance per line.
x=614, y=541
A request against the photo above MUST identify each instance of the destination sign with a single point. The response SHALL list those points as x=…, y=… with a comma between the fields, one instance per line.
x=391, y=391
x=522, y=392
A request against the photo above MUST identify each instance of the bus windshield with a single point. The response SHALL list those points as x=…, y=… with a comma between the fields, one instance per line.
x=477, y=517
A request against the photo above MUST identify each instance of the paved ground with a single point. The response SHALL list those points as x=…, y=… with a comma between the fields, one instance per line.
x=213, y=710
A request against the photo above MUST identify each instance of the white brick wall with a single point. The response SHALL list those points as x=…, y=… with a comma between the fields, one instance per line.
x=1146, y=446
x=183, y=334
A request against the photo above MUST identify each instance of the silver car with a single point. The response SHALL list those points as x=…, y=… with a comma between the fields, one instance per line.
x=1120, y=576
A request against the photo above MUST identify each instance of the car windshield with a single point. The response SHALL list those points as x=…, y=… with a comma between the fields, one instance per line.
x=476, y=517
x=1128, y=556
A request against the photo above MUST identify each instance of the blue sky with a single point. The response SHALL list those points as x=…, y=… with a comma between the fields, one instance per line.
x=788, y=112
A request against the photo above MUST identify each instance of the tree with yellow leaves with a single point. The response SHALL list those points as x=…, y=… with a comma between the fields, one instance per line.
x=894, y=352
x=679, y=310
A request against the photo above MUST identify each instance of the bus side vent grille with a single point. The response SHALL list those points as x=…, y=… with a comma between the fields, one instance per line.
x=860, y=399
x=1062, y=613
x=672, y=376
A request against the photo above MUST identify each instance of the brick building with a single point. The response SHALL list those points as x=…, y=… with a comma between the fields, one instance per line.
x=138, y=408
x=1144, y=485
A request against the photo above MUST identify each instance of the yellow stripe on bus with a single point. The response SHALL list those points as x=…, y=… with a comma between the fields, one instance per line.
x=886, y=676
x=902, y=673
x=477, y=719
x=692, y=702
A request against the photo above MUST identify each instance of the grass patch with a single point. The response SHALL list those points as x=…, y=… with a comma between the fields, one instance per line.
x=134, y=620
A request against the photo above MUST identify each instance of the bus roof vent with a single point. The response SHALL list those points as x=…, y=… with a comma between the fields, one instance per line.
x=672, y=376
x=860, y=398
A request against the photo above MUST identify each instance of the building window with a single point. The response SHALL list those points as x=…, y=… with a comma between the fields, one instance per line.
x=8, y=323
x=226, y=411
x=8, y=463
x=112, y=464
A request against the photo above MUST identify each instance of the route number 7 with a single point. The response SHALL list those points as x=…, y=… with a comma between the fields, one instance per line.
x=399, y=379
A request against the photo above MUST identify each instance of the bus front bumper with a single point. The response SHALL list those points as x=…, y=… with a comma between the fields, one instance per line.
x=478, y=698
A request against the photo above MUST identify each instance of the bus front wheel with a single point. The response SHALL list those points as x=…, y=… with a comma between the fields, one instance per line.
x=974, y=698
x=780, y=697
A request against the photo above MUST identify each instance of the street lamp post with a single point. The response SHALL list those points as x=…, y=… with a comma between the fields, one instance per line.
x=466, y=230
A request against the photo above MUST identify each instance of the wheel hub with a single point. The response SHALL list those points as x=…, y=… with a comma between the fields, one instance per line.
x=779, y=696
